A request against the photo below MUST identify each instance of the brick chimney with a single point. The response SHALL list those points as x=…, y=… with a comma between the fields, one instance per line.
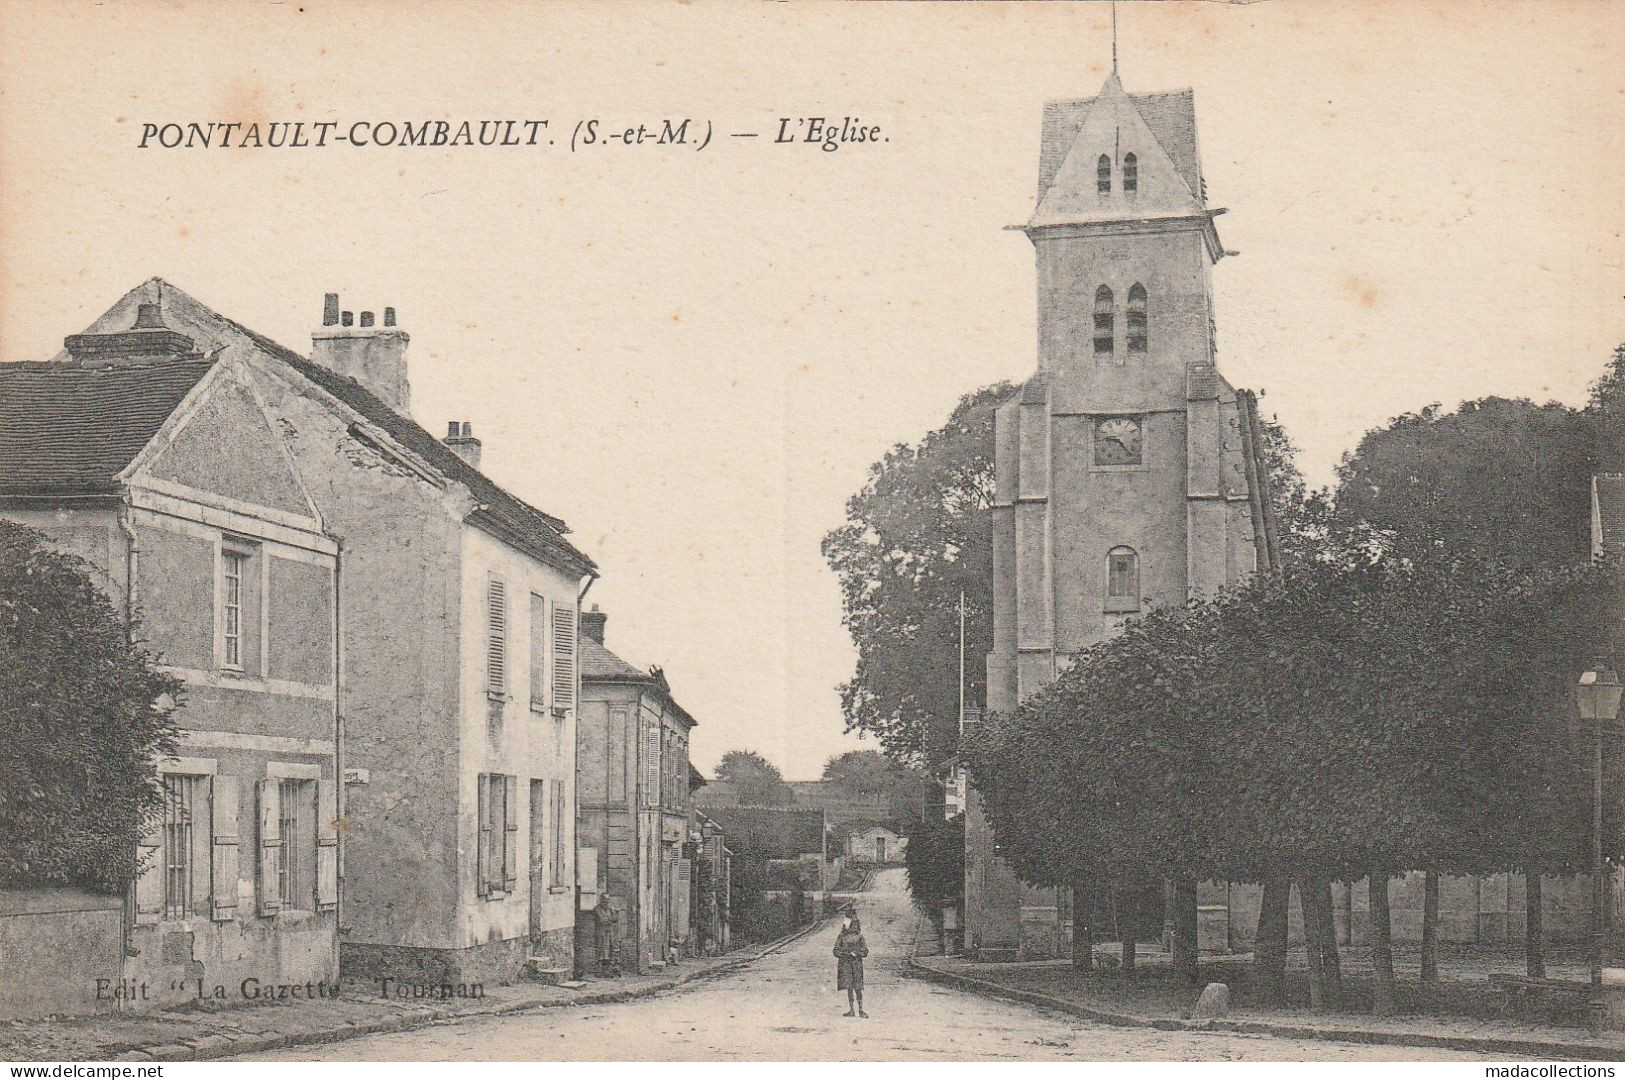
x=592, y=624
x=148, y=340
x=374, y=356
x=462, y=441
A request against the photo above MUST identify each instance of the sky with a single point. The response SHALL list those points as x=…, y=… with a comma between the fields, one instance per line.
x=694, y=356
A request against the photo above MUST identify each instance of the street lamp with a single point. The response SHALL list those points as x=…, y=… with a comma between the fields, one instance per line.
x=1597, y=698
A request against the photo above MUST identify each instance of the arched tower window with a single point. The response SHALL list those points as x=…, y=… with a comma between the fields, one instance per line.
x=1131, y=174
x=1103, y=175
x=1138, y=338
x=1122, y=579
x=1104, y=319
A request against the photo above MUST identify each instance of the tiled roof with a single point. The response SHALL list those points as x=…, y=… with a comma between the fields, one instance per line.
x=1610, y=498
x=500, y=513
x=598, y=662
x=70, y=430
x=1171, y=117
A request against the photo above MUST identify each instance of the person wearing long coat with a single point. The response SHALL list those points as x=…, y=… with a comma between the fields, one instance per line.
x=850, y=949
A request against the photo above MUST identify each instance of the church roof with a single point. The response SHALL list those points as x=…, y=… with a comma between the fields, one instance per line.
x=1171, y=116
x=1119, y=157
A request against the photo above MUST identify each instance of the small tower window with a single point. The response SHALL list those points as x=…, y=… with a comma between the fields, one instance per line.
x=1131, y=174
x=1103, y=175
x=1103, y=321
x=1138, y=339
x=1122, y=579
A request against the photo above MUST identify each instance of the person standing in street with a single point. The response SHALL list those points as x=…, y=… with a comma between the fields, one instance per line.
x=850, y=949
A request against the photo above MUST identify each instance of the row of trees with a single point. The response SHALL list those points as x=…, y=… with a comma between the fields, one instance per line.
x=1395, y=696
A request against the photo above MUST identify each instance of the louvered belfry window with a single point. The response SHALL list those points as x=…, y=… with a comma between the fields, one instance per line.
x=1131, y=174
x=564, y=658
x=1103, y=175
x=1138, y=336
x=1104, y=320
x=496, y=639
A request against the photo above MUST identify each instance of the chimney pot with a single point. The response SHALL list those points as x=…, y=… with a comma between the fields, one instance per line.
x=147, y=317
x=330, y=309
x=389, y=316
x=460, y=437
x=366, y=318
x=468, y=429
x=451, y=429
x=376, y=361
x=346, y=319
x=592, y=624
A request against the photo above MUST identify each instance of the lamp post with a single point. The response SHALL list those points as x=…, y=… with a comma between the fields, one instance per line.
x=1597, y=699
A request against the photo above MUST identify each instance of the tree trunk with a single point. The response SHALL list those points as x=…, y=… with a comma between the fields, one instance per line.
x=1311, y=944
x=1125, y=922
x=1185, y=965
x=1331, y=966
x=1534, y=934
x=1083, y=938
x=1430, y=927
x=1382, y=947
x=1269, y=946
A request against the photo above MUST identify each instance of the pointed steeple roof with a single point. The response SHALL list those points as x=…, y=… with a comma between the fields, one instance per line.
x=1158, y=129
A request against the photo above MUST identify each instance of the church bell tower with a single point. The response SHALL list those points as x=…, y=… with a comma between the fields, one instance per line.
x=1129, y=473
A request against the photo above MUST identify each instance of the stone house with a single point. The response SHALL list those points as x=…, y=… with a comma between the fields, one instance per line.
x=156, y=459
x=635, y=810
x=873, y=843
x=457, y=605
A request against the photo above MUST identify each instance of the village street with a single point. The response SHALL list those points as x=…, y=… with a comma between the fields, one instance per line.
x=786, y=1008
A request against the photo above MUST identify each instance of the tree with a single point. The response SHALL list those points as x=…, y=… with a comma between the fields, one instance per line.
x=756, y=779
x=870, y=776
x=935, y=860
x=1500, y=479
x=86, y=714
x=916, y=537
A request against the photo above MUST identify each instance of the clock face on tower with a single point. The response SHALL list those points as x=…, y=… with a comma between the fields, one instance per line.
x=1118, y=440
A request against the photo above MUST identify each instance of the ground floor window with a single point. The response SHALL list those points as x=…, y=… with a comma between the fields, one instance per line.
x=185, y=849
x=296, y=820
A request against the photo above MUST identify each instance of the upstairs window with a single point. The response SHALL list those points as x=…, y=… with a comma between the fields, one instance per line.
x=1104, y=319
x=235, y=568
x=496, y=639
x=1131, y=174
x=1122, y=579
x=1103, y=175
x=1138, y=339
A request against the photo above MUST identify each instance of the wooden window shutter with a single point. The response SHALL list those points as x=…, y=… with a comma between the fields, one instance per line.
x=496, y=640
x=539, y=630
x=270, y=806
x=564, y=658
x=223, y=859
x=510, y=832
x=482, y=849
x=651, y=764
x=149, y=884
x=685, y=875
x=327, y=846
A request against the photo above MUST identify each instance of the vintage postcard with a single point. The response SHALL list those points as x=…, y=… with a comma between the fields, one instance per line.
x=812, y=531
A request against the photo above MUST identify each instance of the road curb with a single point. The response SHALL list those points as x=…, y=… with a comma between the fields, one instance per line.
x=1538, y=1048
x=212, y=1046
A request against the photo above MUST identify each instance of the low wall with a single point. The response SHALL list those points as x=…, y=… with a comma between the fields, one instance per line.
x=61, y=951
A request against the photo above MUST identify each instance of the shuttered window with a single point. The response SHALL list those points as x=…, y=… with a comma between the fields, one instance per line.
x=497, y=855
x=1103, y=175
x=182, y=804
x=496, y=637
x=1138, y=336
x=538, y=653
x=1131, y=174
x=651, y=764
x=1105, y=311
x=564, y=658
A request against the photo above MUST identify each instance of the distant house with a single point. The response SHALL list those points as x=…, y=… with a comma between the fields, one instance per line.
x=873, y=843
x=633, y=780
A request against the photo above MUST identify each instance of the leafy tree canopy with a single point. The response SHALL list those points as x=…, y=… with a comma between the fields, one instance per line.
x=86, y=713
x=756, y=779
x=917, y=536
